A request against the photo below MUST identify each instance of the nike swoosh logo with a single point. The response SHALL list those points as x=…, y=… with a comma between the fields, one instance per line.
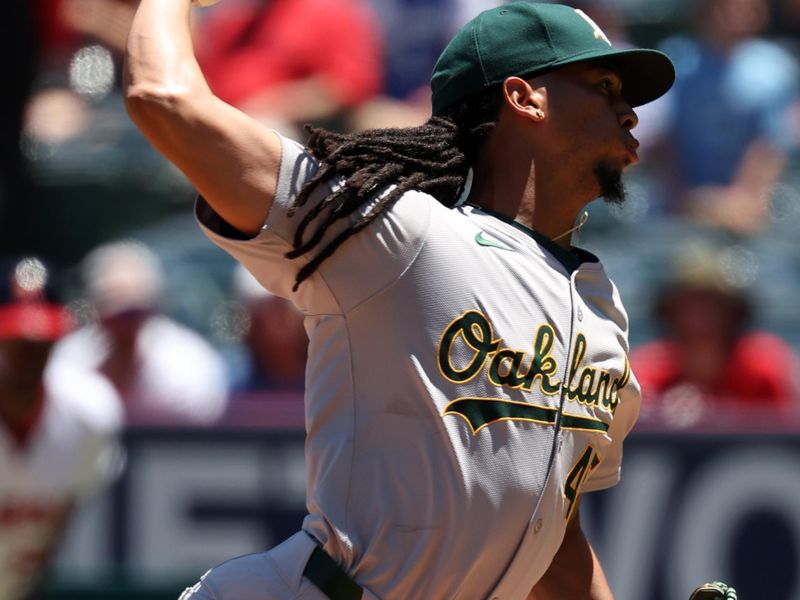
x=490, y=243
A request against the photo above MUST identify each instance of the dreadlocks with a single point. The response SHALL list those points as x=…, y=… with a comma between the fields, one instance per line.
x=433, y=158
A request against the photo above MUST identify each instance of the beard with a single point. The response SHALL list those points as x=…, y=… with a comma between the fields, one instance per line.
x=612, y=188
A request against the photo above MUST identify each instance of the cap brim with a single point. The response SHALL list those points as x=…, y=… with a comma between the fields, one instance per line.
x=646, y=74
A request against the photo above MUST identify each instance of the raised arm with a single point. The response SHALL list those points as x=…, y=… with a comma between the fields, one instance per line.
x=231, y=159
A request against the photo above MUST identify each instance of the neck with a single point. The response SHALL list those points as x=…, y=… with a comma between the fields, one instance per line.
x=514, y=191
x=19, y=407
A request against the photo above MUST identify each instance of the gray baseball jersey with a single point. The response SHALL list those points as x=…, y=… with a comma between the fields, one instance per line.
x=466, y=381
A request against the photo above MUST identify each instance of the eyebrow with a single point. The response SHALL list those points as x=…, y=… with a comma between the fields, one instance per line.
x=605, y=65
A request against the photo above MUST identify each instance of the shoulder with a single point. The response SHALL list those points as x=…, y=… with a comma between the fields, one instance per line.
x=83, y=397
x=182, y=365
x=763, y=350
x=82, y=346
x=165, y=336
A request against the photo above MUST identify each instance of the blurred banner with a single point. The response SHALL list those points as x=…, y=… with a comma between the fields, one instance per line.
x=690, y=508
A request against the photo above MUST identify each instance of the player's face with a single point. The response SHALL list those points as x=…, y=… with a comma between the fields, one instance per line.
x=591, y=122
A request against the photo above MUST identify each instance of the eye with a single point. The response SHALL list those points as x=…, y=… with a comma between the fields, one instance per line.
x=607, y=85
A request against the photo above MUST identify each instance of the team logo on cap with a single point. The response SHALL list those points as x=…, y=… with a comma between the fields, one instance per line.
x=598, y=33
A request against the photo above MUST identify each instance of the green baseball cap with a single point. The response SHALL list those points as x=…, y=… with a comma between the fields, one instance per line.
x=528, y=38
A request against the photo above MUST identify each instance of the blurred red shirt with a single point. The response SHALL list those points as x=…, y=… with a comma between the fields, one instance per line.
x=246, y=47
x=761, y=371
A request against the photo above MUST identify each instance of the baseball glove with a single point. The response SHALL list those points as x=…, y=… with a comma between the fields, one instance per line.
x=716, y=590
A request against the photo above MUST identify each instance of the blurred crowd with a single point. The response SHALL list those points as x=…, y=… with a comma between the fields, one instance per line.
x=155, y=327
x=717, y=189
x=81, y=190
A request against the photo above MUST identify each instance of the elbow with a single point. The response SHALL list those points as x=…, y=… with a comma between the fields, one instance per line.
x=145, y=102
x=159, y=104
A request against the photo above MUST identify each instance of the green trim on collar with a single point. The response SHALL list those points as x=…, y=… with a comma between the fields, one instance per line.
x=569, y=259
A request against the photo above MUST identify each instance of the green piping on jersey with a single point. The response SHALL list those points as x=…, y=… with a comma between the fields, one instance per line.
x=570, y=259
x=481, y=412
x=583, y=423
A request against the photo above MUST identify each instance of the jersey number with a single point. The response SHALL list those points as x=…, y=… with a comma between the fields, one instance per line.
x=577, y=475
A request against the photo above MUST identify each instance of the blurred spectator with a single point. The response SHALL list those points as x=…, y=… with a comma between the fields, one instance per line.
x=288, y=62
x=58, y=429
x=415, y=33
x=166, y=373
x=81, y=48
x=79, y=145
x=105, y=21
x=709, y=356
x=275, y=343
x=728, y=128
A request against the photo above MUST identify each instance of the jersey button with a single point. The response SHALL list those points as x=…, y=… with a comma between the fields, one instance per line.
x=580, y=315
x=537, y=527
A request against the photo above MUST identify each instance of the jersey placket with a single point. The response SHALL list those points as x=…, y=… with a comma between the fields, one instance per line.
x=513, y=580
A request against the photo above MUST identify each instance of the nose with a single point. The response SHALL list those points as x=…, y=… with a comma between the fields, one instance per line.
x=627, y=117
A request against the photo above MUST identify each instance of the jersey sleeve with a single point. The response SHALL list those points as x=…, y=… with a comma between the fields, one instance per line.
x=366, y=263
x=607, y=473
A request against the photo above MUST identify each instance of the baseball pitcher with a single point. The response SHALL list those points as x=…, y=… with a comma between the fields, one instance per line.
x=467, y=377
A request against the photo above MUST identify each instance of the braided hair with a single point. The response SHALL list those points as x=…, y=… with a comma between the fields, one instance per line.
x=432, y=158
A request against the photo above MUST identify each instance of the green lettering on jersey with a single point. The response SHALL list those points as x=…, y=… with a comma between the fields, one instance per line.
x=466, y=346
x=543, y=366
x=592, y=386
x=504, y=368
x=476, y=332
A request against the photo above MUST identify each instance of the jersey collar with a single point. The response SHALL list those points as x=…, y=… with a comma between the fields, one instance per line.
x=570, y=259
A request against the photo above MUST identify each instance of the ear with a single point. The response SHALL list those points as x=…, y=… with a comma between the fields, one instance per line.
x=525, y=100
